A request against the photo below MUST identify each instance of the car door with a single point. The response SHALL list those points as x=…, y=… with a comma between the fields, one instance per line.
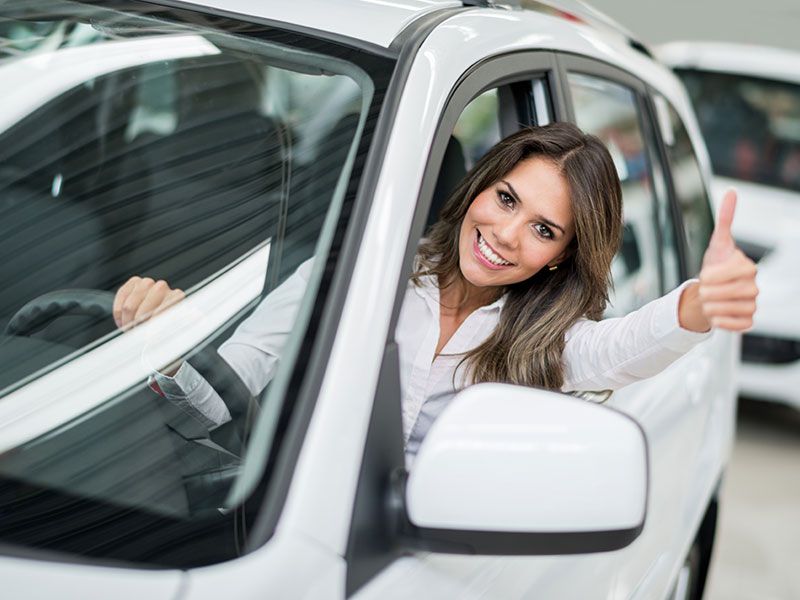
x=492, y=101
x=673, y=407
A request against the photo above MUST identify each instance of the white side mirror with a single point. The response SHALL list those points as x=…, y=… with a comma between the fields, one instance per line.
x=559, y=474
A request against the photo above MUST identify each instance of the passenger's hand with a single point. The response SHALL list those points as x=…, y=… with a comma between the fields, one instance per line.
x=726, y=294
x=140, y=298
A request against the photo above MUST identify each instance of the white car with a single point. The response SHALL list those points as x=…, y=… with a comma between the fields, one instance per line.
x=747, y=100
x=218, y=145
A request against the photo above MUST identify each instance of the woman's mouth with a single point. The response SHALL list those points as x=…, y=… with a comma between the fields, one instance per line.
x=487, y=255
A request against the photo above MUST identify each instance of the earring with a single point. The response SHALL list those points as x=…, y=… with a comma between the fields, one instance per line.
x=552, y=268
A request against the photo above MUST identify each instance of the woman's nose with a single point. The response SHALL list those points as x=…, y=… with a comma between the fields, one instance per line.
x=506, y=233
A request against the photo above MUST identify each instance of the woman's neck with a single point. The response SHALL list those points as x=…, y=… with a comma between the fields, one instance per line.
x=461, y=297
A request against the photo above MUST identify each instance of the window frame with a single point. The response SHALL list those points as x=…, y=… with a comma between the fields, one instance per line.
x=678, y=213
x=373, y=544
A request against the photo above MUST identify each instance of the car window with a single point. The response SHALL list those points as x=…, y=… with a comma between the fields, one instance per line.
x=133, y=146
x=478, y=127
x=611, y=112
x=751, y=126
x=476, y=131
x=690, y=190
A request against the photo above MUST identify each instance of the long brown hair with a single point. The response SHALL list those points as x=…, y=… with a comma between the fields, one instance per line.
x=527, y=345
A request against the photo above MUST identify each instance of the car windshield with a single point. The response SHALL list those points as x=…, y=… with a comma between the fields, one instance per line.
x=211, y=154
x=751, y=126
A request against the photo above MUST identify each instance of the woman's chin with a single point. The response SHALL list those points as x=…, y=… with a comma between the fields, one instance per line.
x=481, y=277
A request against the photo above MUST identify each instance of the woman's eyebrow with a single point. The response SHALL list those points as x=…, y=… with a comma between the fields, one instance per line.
x=544, y=220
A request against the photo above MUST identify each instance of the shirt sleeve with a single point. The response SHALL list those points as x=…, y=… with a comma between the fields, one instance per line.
x=193, y=395
x=252, y=352
x=612, y=353
x=257, y=344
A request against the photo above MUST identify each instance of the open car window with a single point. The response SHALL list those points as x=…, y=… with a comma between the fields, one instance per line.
x=131, y=145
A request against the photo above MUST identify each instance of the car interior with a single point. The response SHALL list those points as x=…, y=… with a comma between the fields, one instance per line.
x=171, y=170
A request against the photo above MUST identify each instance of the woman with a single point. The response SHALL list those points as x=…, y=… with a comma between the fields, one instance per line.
x=509, y=286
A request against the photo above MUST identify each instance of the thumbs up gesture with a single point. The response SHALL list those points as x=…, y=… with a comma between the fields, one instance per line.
x=725, y=297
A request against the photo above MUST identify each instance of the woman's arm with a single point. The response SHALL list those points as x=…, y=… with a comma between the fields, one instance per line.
x=252, y=352
x=612, y=353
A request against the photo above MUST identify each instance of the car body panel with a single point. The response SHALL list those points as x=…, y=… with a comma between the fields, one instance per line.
x=44, y=580
x=290, y=565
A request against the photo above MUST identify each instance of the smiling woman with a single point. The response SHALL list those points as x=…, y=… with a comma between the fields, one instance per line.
x=545, y=197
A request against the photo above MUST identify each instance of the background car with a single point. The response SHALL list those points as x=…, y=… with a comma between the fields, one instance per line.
x=290, y=130
x=747, y=100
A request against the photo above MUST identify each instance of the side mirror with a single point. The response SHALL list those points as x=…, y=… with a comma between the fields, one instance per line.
x=513, y=470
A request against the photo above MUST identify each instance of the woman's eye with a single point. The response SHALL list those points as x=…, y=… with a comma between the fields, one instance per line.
x=544, y=231
x=506, y=199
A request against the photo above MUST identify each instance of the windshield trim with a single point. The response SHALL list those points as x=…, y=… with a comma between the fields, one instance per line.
x=215, y=13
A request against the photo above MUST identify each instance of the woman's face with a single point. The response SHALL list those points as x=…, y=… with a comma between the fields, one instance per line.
x=519, y=225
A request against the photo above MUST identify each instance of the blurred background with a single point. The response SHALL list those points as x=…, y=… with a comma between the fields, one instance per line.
x=770, y=22
x=747, y=98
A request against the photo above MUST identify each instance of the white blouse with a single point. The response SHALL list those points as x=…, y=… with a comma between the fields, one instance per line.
x=598, y=355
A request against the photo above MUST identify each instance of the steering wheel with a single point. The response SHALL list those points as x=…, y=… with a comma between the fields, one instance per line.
x=40, y=311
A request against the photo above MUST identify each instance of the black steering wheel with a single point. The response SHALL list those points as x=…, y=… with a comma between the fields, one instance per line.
x=42, y=310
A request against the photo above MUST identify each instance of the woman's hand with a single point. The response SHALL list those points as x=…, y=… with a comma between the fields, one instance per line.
x=140, y=298
x=725, y=297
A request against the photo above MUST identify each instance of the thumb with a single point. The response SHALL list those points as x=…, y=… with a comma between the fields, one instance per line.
x=721, y=242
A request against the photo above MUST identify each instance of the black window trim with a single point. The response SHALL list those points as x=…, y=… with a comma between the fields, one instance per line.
x=678, y=214
x=677, y=217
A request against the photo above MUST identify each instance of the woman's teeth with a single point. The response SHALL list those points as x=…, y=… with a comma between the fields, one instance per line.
x=489, y=254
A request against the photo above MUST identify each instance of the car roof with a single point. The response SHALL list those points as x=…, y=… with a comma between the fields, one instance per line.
x=726, y=57
x=380, y=22
x=376, y=22
x=560, y=25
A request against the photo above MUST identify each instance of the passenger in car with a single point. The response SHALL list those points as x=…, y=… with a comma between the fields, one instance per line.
x=509, y=285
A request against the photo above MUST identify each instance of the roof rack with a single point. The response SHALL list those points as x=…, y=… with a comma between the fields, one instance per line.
x=576, y=11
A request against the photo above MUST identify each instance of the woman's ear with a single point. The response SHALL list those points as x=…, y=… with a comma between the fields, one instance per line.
x=568, y=251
